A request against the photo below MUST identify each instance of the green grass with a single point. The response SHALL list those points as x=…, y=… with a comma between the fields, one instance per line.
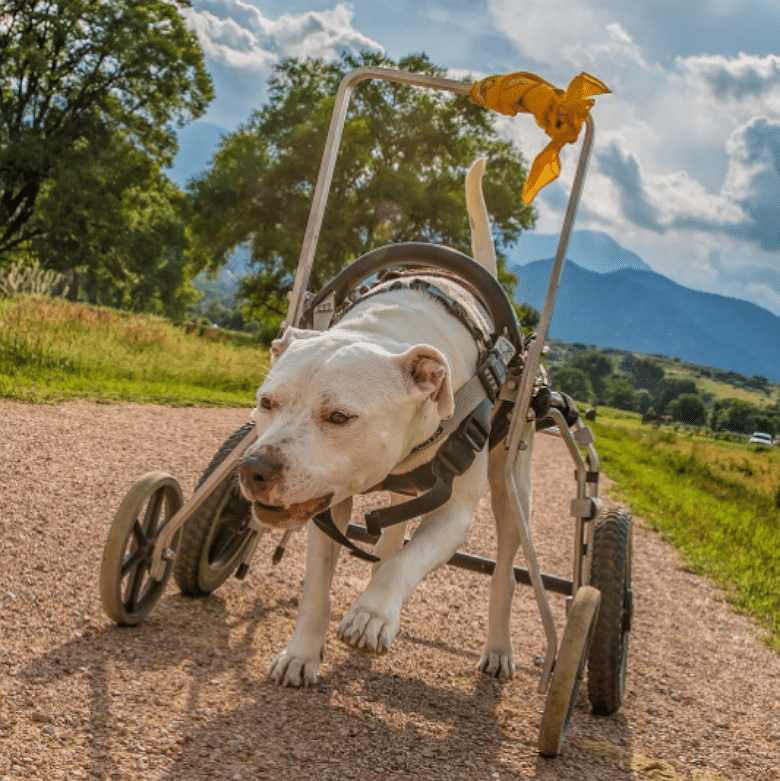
x=52, y=350
x=716, y=502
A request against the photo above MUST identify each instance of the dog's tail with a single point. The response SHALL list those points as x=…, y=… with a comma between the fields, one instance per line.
x=481, y=237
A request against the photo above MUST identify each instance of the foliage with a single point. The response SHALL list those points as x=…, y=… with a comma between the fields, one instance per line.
x=716, y=503
x=90, y=93
x=596, y=366
x=399, y=175
x=52, y=349
x=669, y=389
x=645, y=373
x=574, y=382
x=688, y=408
x=743, y=417
x=620, y=393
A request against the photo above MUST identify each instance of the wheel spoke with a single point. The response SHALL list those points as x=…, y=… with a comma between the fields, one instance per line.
x=132, y=561
x=136, y=582
x=153, y=513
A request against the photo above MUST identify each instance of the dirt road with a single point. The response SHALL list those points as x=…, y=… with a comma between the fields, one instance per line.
x=185, y=695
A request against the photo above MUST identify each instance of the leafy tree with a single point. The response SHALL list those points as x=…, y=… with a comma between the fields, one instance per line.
x=644, y=373
x=90, y=94
x=644, y=400
x=669, y=389
x=619, y=393
x=734, y=415
x=688, y=408
x=596, y=366
x=399, y=175
x=574, y=382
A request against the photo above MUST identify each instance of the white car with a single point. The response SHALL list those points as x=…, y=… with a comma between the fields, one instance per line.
x=759, y=438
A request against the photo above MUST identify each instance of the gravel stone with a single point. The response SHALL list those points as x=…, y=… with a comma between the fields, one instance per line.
x=185, y=696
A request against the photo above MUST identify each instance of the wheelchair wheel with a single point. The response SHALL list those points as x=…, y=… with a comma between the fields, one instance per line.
x=127, y=589
x=215, y=537
x=611, y=575
x=568, y=671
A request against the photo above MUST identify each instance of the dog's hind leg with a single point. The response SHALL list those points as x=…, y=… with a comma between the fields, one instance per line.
x=498, y=656
x=298, y=663
x=373, y=621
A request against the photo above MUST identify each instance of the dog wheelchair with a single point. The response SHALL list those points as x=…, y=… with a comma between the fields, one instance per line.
x=202, y=542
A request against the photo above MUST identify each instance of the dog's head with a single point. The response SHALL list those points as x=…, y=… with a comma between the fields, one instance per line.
x=334, y=416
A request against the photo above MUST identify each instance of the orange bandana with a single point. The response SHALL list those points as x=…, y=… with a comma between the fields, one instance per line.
x=560, y=114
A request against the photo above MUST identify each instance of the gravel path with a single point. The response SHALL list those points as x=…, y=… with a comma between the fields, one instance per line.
x=185, y=695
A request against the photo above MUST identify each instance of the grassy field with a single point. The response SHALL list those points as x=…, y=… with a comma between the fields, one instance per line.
x=52, y=350
x=718, y=502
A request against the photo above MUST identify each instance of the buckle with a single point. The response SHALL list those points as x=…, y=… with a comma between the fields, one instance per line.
x=491, y=373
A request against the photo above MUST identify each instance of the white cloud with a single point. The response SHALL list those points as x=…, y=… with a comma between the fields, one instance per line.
x=562, y=34
x=236, y=33
x=241, y=46
x=745, y=78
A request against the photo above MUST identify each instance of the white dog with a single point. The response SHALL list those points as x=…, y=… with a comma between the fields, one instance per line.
x=342, y=409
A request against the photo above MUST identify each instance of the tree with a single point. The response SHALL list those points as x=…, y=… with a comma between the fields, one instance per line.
x=688, y=408
x=399, y=175
x=669, y=389
x=90, y=94
x=574, y=382
x=596, y=366
x=644, y=373
x=619, y=393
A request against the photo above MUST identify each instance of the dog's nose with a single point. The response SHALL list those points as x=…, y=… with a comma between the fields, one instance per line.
x=259, y=471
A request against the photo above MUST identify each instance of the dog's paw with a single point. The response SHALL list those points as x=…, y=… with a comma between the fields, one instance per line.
x=497, y=663
x=290, y=670
x=367, y=632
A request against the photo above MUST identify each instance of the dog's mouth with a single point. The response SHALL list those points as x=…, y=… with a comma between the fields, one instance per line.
x=289, y=516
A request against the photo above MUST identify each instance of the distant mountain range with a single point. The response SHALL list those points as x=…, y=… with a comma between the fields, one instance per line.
x=591, y=250
x=633, y=308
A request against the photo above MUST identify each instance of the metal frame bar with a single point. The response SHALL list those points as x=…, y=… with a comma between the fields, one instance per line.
x=521, y=428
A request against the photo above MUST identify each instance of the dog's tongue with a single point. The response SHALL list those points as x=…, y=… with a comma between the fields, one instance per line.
x=290, y=516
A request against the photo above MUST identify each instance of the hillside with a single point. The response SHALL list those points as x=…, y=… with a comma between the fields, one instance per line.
x=642, y=311
x=592, y=250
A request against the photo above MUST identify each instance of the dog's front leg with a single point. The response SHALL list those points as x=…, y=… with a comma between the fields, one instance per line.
x=298, y=663
x=373, y=621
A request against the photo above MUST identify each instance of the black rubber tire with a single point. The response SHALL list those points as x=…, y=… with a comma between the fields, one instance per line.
x=568, y=671
x=128, y=591
x=216, y=535
x=611, y=575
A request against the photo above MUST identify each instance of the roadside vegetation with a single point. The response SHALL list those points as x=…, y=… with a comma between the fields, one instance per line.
x=52, y=349
x=717, y=501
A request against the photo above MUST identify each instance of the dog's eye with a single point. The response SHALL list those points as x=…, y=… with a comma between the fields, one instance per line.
x=338, y=418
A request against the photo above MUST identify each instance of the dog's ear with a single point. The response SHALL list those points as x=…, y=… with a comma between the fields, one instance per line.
x=427, y=372
x=278, y=346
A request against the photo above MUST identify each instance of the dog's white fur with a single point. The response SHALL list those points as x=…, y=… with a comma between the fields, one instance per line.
x=342, y=409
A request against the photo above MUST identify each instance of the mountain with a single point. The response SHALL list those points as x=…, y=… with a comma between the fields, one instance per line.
x=590, y=250
x=641, y=311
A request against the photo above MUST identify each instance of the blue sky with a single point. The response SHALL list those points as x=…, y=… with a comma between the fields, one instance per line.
x=686, y=168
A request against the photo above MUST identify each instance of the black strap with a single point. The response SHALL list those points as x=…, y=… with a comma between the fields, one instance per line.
x=324, y=522
x=453, y=458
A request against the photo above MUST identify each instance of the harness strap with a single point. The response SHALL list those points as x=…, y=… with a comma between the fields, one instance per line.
x=324, y=522
x=454, y=457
